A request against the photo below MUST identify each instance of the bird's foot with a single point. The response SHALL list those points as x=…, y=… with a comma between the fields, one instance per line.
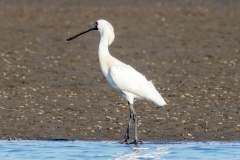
x=136, y=141
x=126, y=140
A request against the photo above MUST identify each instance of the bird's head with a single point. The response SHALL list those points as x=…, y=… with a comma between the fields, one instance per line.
x=104, y=28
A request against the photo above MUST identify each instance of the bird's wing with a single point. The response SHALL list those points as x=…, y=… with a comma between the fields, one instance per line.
x=130, y=80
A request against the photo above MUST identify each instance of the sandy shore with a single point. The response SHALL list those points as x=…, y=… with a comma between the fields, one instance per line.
x=53, y=89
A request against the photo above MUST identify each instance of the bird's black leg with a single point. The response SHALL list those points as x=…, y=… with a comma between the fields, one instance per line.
x=126, y=137
x=135, y=126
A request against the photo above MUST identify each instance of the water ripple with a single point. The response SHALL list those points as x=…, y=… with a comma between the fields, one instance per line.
x=64, y=149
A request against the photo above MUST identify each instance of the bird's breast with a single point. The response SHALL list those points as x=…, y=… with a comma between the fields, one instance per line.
x=105, y=67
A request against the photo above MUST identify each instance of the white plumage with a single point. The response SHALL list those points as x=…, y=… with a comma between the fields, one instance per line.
x=121, y=76
x=134, y=84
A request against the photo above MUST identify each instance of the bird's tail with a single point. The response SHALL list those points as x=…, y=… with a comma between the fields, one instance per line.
x=156, y=97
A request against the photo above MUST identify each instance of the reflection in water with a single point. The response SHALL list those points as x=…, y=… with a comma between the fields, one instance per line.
x=57, y=149
x=145, y=153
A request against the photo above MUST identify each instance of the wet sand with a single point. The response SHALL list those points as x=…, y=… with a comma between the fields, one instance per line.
x=53, y=89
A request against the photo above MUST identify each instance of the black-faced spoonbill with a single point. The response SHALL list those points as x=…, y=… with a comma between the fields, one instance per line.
x=122, y=77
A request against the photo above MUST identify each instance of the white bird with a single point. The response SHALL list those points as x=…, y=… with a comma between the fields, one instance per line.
x=122, y=77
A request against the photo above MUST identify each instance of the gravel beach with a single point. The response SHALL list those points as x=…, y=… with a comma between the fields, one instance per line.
x=50, y=88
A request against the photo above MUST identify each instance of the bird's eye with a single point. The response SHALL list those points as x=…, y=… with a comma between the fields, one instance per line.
x=96, y=24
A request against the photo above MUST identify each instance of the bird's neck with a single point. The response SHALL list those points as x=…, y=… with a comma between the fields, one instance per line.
x=105, y=58
x=103, y=46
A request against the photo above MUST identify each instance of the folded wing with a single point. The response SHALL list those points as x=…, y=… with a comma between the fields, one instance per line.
x=130, y=80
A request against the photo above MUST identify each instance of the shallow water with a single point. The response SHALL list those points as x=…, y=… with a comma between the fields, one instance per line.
x=46, y=149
